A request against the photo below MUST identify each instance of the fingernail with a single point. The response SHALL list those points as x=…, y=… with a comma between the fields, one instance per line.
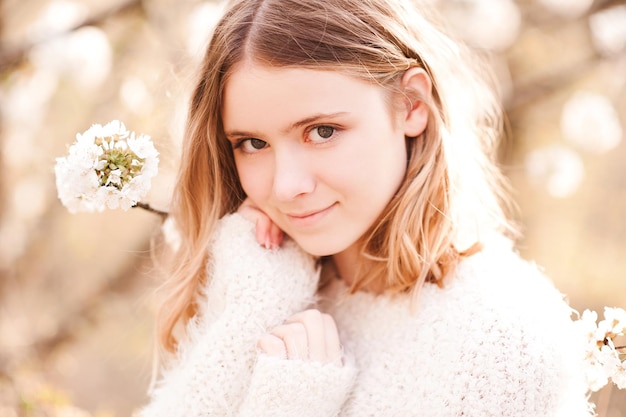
x=267, y=244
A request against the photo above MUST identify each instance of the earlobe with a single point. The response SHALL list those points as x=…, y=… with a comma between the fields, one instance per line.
x=418, y=89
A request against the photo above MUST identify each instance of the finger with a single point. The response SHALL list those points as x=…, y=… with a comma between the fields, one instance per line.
x=272, y=345
x=334, y=351
x=263, y=225
x=295, y=339
x=267, y=233
x=275, y=236
x=262, y=222
x=314, y=325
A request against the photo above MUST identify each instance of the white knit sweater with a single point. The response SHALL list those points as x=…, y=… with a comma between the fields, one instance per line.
x=496, y=340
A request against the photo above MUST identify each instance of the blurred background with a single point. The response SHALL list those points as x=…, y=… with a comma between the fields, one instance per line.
x=76, y=291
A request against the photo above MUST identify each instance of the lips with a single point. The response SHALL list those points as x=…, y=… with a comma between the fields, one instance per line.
x=309, y=218
x=303, y=215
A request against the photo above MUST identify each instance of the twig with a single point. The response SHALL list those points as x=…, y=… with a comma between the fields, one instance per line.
x=151, y=209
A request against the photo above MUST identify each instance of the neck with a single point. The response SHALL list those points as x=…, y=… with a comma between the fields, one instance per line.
x=349, y=263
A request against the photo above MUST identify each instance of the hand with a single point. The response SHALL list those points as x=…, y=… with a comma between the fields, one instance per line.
x=268, y=234
x=309, y=335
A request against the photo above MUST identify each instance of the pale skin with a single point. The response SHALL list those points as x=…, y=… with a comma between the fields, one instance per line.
x=274, y=190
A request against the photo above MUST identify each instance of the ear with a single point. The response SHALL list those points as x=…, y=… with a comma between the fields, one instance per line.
x=417, y=87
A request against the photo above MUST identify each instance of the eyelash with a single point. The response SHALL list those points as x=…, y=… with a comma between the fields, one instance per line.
x=240, y=143
x=332, y=137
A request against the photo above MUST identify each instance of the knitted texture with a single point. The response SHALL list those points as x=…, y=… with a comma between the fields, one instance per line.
x=250, y=290
x=496, y=340
x=296, y=388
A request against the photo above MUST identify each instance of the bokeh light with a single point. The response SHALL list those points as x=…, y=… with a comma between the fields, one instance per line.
x=590, y=122
x=71, y=305
x=557, y=168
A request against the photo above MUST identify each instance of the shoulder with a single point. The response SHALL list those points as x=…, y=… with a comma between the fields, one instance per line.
x=510, y=299
x=516, y=330
x=498, y=278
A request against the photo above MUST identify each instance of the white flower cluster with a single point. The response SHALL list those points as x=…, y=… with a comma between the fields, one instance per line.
x=604, y=360
x=107, y=167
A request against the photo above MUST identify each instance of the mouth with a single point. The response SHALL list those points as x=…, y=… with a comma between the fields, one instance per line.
x=309, y=218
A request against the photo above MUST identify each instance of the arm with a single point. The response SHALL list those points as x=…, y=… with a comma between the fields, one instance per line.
x=252, y=289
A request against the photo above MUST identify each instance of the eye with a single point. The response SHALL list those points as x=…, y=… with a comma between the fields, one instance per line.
x=321, y=133
x=251, y=145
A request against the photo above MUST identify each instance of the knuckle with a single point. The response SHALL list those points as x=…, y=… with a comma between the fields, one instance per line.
x=270, y=344
x=328, y=319
x=290, y=331
x=306, y=317
x=297, y=330
x=312, y=316
x=296, y=337
x=280, y=330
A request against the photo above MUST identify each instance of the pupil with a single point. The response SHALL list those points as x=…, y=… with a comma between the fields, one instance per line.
x=257, y=143
x=325, y=131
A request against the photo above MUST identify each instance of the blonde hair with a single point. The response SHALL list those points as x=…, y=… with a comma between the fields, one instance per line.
x=451, y=181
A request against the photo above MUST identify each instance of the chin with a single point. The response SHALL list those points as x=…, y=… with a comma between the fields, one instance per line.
x=319, y=247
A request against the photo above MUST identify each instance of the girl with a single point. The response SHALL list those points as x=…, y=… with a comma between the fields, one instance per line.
x=344, y=249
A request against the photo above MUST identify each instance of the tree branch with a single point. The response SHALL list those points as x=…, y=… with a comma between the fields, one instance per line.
x=151, y=209
x=13, y=57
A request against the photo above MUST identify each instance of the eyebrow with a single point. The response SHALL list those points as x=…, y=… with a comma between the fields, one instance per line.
x=293, y=126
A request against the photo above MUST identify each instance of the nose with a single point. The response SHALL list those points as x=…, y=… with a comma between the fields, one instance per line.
x=293, y=175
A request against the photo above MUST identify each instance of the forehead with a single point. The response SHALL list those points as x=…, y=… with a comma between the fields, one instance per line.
x=258, y=96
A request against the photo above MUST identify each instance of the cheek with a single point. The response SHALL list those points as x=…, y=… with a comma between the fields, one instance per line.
x=254, y=180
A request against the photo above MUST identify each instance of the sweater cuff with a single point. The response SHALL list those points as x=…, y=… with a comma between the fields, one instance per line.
x=292, y=387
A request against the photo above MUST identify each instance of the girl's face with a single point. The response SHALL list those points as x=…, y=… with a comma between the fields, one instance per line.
x=319, y=152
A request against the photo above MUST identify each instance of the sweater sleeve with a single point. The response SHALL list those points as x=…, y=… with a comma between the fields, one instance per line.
x=251, y=289
x=281, y=387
